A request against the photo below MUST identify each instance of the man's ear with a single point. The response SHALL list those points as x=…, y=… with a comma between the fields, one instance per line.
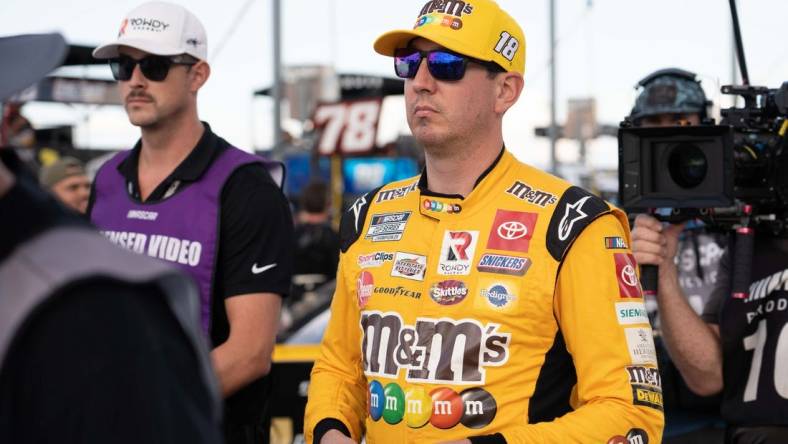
x=198, y=75
x=509, y=85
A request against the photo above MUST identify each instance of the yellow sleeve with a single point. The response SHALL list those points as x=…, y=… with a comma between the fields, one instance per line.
x=618, y=391
x=337, y=387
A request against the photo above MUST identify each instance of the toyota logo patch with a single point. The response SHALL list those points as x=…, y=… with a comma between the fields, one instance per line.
x=512, y=230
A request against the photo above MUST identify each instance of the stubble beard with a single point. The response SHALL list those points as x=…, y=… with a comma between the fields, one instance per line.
x=450, y=144
x=156, y=119
x=435, y=144
x=143, y=116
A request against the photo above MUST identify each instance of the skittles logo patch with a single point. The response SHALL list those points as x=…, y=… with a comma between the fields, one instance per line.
x=448, y=292
x=442, y=407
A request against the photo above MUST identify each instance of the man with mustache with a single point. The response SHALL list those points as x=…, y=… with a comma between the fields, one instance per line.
x=187, y=196
x=520, y=318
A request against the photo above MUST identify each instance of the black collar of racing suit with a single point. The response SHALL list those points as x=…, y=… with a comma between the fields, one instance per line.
x=423, y=184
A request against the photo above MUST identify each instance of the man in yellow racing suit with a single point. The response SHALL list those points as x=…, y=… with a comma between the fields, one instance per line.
x=483, y=301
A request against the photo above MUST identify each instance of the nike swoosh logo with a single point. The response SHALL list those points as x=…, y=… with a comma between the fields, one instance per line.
x=258, y=270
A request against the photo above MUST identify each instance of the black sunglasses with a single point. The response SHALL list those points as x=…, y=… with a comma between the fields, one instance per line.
x=153, y=67
x=442, y=64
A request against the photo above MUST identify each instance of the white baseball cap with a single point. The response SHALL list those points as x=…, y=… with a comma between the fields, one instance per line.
x=159, y=28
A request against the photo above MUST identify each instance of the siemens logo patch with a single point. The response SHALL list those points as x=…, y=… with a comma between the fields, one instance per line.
x=631, y=313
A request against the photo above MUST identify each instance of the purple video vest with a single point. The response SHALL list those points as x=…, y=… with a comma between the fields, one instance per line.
x=181, y=229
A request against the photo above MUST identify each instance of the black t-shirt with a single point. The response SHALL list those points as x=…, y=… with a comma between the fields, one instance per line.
x=754, y=333
x=317, y=250
x=255, y=230
x=102, y=361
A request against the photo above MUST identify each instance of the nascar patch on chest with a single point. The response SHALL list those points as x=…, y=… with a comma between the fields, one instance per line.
x=387, y=226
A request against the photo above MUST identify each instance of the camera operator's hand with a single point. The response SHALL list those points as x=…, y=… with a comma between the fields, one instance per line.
x=654, y=243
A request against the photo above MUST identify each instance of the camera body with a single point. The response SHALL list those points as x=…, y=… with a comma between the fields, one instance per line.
x=727, y=174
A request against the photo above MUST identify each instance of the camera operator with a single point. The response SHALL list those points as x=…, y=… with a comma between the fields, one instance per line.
x=672, y=97
x=722, y=351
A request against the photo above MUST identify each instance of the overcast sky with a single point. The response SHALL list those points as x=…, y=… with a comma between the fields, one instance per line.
x=604, y=48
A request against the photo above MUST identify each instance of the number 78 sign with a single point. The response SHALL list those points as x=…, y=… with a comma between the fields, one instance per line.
x=347, y=127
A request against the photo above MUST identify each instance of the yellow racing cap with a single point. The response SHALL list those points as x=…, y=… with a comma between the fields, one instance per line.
x=476, y=28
